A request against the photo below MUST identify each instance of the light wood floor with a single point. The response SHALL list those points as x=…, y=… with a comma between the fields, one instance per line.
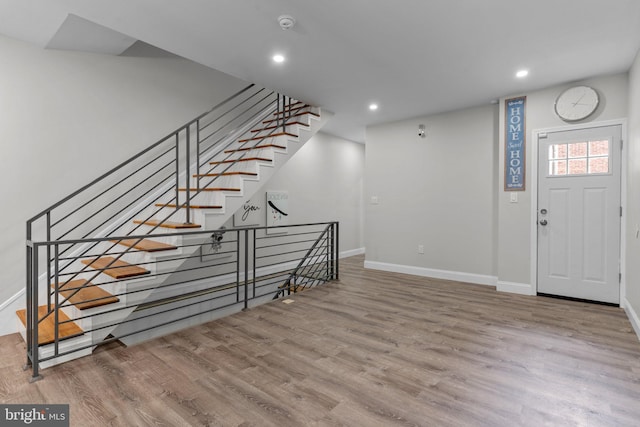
x=375, y=349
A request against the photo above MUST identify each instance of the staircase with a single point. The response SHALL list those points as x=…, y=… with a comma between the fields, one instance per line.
x=115, y=245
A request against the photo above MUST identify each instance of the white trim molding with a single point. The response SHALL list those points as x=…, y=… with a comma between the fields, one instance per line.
x=533, y=186
x=515, y=288
x=478, y=279
x=352, y=252
x=8, y=318
x=632, y=315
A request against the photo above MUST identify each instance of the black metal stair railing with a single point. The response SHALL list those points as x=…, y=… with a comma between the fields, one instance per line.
x=106, y=206
x=318, y=265
x=233, y=269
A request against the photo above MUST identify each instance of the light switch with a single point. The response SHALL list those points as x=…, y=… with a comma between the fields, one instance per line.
x=514, y=197
x=374, y=200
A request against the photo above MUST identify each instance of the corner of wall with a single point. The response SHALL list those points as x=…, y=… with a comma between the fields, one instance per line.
x=8, y=318
x=633, y=317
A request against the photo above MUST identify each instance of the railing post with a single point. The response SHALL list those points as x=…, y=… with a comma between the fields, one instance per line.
x=56, y=322
x=254, y=263
x=198, y=155
x=284, y=113
x=238, y=266
x=188, y=173
x=28, y=292
x=329, y=250
x=177, y=170
x=48, y=258
x=35, y=348
x=246, y=269
x=337, y=250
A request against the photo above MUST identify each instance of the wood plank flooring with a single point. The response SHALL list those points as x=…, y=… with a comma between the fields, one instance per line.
x=374, y=349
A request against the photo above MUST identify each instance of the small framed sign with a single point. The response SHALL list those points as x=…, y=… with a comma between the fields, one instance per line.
x=277, y=210
x=248, y=214
x=515, y=144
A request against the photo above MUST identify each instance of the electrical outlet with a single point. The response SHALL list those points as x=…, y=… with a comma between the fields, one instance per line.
x=420, y=249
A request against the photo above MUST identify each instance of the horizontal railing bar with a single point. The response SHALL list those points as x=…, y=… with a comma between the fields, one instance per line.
x=116, y=184
x=130, y=160
x=205, y=126
x=182, y=233
x=164, y=180
x=296, y=242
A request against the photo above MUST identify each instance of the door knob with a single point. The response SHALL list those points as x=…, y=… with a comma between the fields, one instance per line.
x=543, y=222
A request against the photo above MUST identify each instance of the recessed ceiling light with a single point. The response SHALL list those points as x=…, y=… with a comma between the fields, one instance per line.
x=278, y=58
x=522, y=74
x=373, y=107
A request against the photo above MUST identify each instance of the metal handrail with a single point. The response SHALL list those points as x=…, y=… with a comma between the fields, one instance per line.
x=246, y=272
x=286, y=286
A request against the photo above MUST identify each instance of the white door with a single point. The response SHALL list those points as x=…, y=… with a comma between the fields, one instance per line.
x=579, y=214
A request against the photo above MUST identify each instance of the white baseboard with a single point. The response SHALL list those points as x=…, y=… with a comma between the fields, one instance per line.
x=8, y=318
x=515, y=288
x=632, y=315
x=352, y=252
x=433, y=273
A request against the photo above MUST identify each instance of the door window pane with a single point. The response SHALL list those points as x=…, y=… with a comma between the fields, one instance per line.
x=598, y=165
x=579, y=158
x=577, y=167
x=557, y=167
x=578, y=149
x=598, y=148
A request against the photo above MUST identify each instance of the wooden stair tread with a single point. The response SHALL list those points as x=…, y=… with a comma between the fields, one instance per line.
x=272, y=135
x=46, y=329
x=297, y=122
x=245, y=159
x=212, y=175
x=118, y=269
x=166, y=224
x=89, y=296
x=293, y=115
x=195, y=190
x=146, y=245
x=257, y=147
x=291, y=109
x=173, y=205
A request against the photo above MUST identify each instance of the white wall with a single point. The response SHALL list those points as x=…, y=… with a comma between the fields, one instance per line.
x=632, y=278
x=325, y=183
x=68, y=117
x=438, y=191
x=446, y=191
x=515, y=219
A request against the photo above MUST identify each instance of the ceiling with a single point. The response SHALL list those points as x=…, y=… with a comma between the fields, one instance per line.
x=412, y=57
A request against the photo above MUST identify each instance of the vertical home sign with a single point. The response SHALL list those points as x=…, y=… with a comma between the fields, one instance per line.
x=515, y=144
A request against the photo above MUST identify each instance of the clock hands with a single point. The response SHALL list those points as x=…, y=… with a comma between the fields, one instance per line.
x=579, y=99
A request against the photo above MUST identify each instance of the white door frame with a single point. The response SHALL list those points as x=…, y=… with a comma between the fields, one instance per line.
x=534, y=196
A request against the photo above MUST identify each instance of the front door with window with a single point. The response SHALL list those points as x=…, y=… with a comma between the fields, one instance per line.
x=579, y=213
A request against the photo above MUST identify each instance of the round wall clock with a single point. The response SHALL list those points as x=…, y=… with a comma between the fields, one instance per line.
x=577, y=103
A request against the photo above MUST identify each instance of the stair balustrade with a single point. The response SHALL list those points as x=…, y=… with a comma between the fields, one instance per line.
x=106, y=248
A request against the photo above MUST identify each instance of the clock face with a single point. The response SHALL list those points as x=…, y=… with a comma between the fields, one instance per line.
x=577, y=103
